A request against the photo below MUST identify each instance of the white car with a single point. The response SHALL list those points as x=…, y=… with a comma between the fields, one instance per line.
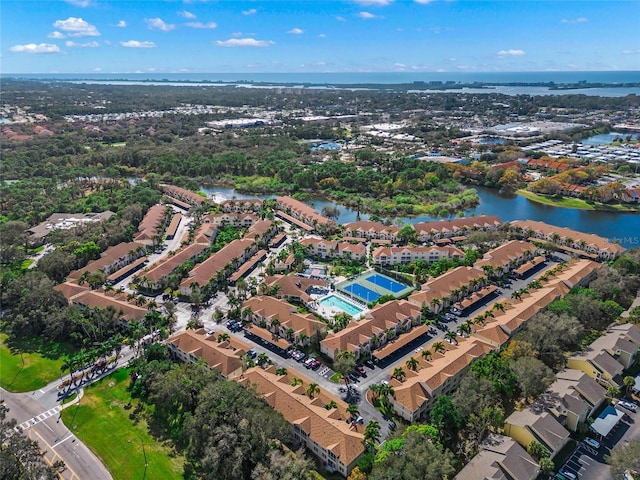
x=592, y=442
x=628, y=405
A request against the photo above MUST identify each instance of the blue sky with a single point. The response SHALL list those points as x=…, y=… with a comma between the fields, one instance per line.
x=229, y=36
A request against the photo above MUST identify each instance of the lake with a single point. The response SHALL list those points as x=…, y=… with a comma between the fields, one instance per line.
x=621, y=227
x=606, y=138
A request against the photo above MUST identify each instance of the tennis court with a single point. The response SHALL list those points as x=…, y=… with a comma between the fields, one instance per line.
x=370, y=286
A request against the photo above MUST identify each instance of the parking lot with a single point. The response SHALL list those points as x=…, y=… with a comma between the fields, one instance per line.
x=588, y=463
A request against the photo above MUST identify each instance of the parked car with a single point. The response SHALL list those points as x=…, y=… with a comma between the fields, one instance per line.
x=251, y=353
x=370, y=364
x=628, y=405
x=567, y=474
x=360, y=369
x=592, y=442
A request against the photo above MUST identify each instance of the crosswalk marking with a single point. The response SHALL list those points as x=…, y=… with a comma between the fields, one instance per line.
x=38, y=418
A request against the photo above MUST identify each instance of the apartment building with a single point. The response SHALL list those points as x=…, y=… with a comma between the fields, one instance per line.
x=598, y=247
x=222, y=353
x=507, y=257
x=384, y=255
x=151, y=224
x=330, y=435
x=113, y=259
x=322, y=248
x=440, y=292
x=296, y=289
x=606, y=358
x=371, y=230
x=184, y=195
x=241, y=205
x=282, y=319
x=437, y=372
x=528, y=425
x=572, y=398
x=431, y=231
x=500, y=458
x=381, y=324
x=301, y=211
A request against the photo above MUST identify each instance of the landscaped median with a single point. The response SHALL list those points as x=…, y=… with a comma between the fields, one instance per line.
x=102, y=421
x=571, y=202
x=27, y=371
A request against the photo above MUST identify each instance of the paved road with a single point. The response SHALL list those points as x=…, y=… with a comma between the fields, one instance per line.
x=37, y=414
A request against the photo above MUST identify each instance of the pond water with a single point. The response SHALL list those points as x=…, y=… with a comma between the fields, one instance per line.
x=605, y=138
x=621, y=227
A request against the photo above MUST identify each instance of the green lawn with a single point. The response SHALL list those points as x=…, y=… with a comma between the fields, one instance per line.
x=41, y=366
x=103, y=424
x=570, y=202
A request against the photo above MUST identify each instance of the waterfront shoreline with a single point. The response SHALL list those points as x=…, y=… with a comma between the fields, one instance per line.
x=577, y=204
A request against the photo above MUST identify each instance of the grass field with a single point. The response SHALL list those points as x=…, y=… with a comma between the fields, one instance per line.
x=103, y=424
x=40, y=367
x=570, y=202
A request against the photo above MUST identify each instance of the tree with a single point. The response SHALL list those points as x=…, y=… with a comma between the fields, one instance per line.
x=438, y=347
x=312, y=390
x=624, y=457
x=332, y=404
x=282, y=371
x=537, y=450
x=407, y=234
x=629, y=382
x=445, y=417
x=353, y=410
x=412, y=364
x=357, y=474
x=284, y=465
x=451, y=336
x=223, y=337
x=426, y=354
x=399, y=374
x=532, y=375
x=372, y=434
x=345, y=363
x=546, y=465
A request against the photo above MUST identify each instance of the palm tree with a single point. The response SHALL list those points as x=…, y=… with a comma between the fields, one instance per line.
x=352, y=409
x=372, y=433
x=313, y=389
x=296, y=381
x=412, y=364
x=375, y=390
x=399, y=374
x=435, y=303
x=628, y=382
x=438, y=347
x=282, y=371
x=498, y=306
x=223, y=337
x=426, y=354
x=331, y=404
x=451, y=336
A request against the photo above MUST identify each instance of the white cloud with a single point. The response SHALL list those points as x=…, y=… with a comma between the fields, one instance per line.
x=209, y=25
x=97, y=69
x=341, y=19
x=185, y=14
x=77, y=27
x=244, y=42
x=36, y=48
x=575, y=20
x=121, y=24
x=56, y=34
x=511, y=53
x=423, y=2
x=399, y=66
x=296, y=31
x=80, y=3
x=375, y=3
x=367, y=15
x=137, y=44
x=159, y=24
x=631, y=51
x=322, y=35
x=251, y=11
x=71, y=44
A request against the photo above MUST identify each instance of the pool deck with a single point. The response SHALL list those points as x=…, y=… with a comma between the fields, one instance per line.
x=330, y=312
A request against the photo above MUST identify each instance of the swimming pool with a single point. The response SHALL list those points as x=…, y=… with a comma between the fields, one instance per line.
x=336, y=302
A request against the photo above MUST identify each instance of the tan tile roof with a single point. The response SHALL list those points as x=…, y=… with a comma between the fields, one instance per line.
x=70, y=289
x=443, y=285
x=505, y=253
x=183, y=194
x=328, y=428
x=293, y=286
x=151, y=220
x=168, y=264
x=370, y=226
x=224, y=356
x=96, y=298
x=270, y=337
x=270, y=308
x=547, y=230
x=457, y=225
x=204, y=271
x=301, y=209
x=110, y=256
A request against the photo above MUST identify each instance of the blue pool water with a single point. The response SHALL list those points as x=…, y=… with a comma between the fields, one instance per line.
x=337, y=302
x=363, y=293
x=387, y=283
